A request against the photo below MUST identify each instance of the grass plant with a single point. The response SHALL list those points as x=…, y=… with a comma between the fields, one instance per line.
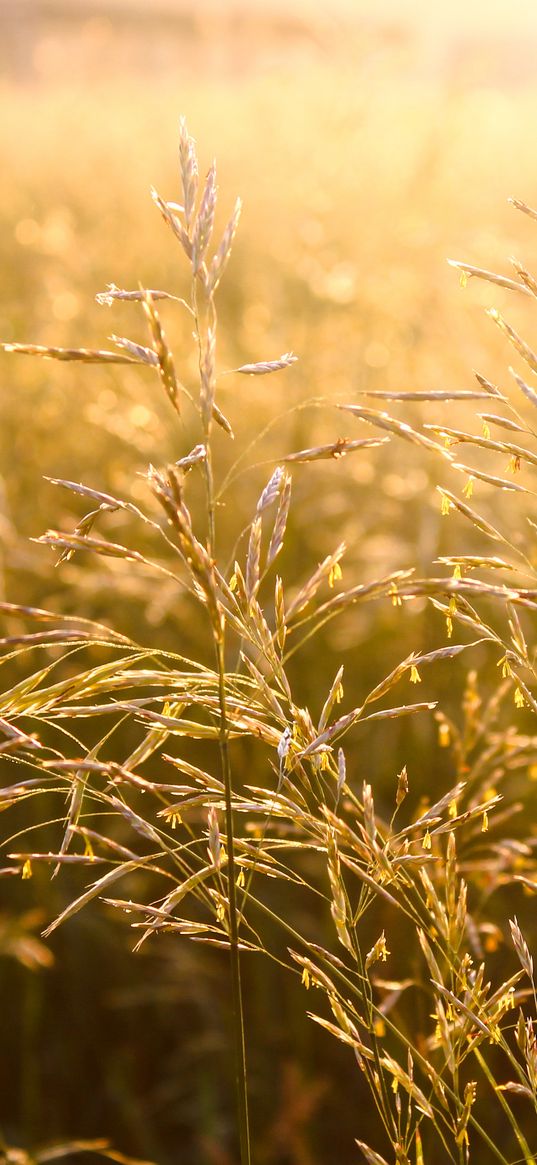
x=174, y=841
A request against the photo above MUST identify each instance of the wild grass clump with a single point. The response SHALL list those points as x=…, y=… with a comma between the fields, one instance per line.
x=174, y=842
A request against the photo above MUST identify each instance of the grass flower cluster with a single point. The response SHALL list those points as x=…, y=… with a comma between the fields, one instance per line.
x=168, y=836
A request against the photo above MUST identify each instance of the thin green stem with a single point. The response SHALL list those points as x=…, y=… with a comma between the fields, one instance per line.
x=529, y=1157
x=237, y=1002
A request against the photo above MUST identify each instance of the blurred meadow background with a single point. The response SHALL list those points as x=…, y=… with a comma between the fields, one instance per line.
x=369, y=143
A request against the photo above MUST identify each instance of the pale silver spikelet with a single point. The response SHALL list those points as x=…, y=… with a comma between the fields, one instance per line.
x=214, y=846
x=203, y=226
x=278, y=533
x=253, y=557
x=521, y=947
x=188, y=164
x=173, y=222
x=220, y=259
x=266, y=366
x=271, y=490
x=208, y=378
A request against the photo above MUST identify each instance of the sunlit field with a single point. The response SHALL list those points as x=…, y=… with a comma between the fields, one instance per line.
x=368, y=149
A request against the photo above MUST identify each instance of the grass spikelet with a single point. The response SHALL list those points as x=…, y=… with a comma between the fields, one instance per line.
x=518, y=343
x=489, y=478
x=253, y=558
x=84, y=355
x=308, y=591
x=480, y=523
x=107, y=298
x=523, y=206
x=525, y=388
x=162, y=352
x=489, y=276
x=271, y=490
x=146, y=355
x=203, y=226
x=521, y=948
x=400, y=428
x=208, y=379
x=220, y=259
x=174, y=222
x=525, y=277
x=503, y=422
x=188, y=164
x=335, y=449
x=263, y=367
x=280, y=521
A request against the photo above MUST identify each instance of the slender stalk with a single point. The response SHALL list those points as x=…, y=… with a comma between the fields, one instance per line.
x=237, y=1002
x=529, y=1157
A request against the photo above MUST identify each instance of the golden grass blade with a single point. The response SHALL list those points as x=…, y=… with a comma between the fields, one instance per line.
x=203, y=226
x=363, y=592
x=16, y=738
x=253, y=558
x=101, y=1147
x=208, y=375
x=220, y=259
x=188, y=165
x=96, y=889
x=518, y=343
x=56, y=638
x=85, y=355
x=33, y=699
x=468, y=271
x=98, y=545
x=444, y=652
x=529, y=393
x=192, y=883
x=473, y=561
x=162, y=352
x=523, y=206
x=480, y=523
x=146, y=355
x=264, y=367
x=221, y=420
x=325, y=570
x=333, y=697
x=59, y=859
x=173, y=222
x=41, y=615
x=280, y=522
x=400, y=428
x=488, y=386
x=503, y=423
x=525, y=277
x=271, y=491
x=341, y=726
x=95, y=495
x=112, y=293
x=439, y=394
x=458, y=436
x=490, y=479
x=335, y=449
x=371, y=1155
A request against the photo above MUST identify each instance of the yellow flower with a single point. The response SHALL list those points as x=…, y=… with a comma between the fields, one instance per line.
x=335, y=574
x=519, y=698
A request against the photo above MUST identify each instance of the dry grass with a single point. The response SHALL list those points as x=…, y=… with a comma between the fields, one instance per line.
x=197, y=857
x=354, y=195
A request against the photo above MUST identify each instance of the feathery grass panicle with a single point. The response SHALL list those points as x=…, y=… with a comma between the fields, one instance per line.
x=205, y=849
